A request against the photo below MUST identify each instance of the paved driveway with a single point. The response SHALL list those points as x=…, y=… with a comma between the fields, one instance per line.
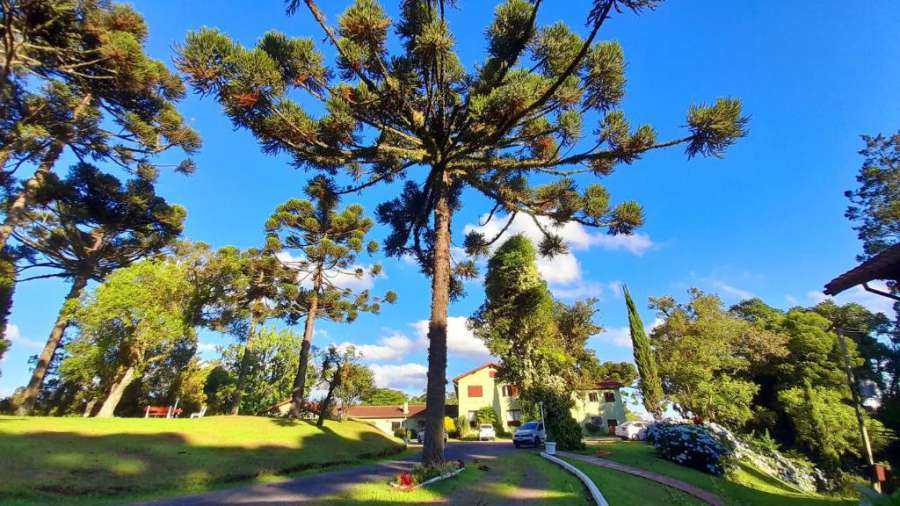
x=312, y=487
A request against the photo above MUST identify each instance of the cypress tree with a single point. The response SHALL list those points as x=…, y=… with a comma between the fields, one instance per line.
x=651, y=387
x=509, y=128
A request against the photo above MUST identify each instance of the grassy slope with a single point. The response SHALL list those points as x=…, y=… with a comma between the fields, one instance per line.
x=746, y=487
x=622, y=489
x=501, y=484
x=93, y=461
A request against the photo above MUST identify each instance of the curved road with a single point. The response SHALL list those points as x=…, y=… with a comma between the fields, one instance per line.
x=315, y=486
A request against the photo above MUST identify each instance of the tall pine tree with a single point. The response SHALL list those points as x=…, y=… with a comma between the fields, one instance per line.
x=328, y=241
x=651, y=387
x=509, y=128
x=85, y=227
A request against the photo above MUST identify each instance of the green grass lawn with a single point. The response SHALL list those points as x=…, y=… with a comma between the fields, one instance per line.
x=523, y=478
x=745, y=487
x=621, y=489
x=85, y=461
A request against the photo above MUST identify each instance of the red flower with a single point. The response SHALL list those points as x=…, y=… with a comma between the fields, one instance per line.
x=406, y=480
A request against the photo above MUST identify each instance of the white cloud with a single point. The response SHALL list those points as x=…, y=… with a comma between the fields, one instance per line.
x=563, y=272
x=203, y=347
x=858, y=294
x=460, y=339
x=791, y=300
x=575, y=234
x=731, y=290
x=409, y=377
x=615, y=336
x=341, y=279
x=391, y=347
x=14, y=335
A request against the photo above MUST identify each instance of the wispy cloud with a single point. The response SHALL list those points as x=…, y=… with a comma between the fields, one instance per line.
x=14, y=335
x=341, y=279
x=460, y=339
x=391, y=347
x=731, y=289
x=410, y=377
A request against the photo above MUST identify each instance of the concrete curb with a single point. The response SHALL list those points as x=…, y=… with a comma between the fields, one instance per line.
x=595, y=492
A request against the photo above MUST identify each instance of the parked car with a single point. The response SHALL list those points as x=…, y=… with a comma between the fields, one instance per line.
x=636, y=430
x=531, y=433
x=420, y=437
x=486, y=432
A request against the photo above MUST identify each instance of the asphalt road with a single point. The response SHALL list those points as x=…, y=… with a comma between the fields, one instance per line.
x=310, y=488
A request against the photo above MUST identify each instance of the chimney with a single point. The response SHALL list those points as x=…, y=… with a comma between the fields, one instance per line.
x=405, y=407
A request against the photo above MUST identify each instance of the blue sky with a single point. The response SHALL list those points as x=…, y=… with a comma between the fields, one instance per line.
x=767, y=220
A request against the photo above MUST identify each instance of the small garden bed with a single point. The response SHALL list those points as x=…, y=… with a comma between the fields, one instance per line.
x=422, y=475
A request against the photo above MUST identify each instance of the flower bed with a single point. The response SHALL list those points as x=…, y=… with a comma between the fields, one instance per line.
x=422, y=475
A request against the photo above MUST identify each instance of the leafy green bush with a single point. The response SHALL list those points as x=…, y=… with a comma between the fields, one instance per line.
x=561, y=427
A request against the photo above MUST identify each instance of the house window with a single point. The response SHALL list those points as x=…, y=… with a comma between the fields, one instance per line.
x=471, y=418
x=510, y=391
x=597, y=420
x=514, y=417
x=395, y=426
x=592, y=396
x=609, y=396
x=474, y=391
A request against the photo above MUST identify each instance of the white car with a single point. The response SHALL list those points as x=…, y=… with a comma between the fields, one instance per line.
x=486, y=432
x=531, y=434
x=636, y=430
x=420, y=437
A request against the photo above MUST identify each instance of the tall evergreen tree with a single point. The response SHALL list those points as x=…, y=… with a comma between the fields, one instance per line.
x=328, y=241
x=875, y=205
x=83, y=228
x=73, y=74
x=253, y=301
x=651, y=387
x=509, y=128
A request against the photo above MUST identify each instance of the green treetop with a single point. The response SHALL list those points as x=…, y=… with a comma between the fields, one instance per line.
x=651, y=387
x=74, y=74
x=85, y=227
x=875, y=205
x=327, y=241
x=510, y=128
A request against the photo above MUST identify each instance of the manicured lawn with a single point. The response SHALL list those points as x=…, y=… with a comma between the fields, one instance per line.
x=622, y=489
x=745, y=487
x=99, y=461
x=523, y=477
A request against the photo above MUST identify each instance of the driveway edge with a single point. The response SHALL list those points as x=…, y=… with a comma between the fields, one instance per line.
x=596, y=495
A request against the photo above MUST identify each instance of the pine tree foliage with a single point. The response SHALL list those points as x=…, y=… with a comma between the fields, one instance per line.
x=84, y=227
x=650, y=385
x=74, y=74
x=321, y=244
x=875, y=205
x=511, y=128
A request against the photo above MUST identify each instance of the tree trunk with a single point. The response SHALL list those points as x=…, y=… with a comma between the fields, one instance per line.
x=19, y=205
x=89, y=408
x=298, y=395
x=245, y=366
x=435, y=394
x=40, y=369
x=108, y=408
x=325, y=407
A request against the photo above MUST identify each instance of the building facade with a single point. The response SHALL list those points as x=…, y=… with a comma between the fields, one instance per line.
x=479, y=388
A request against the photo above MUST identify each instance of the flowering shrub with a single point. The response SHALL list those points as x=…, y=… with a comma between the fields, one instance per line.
x=690, y=445
x=420, y=474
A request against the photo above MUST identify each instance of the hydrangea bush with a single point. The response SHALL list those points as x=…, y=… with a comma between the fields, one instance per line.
x=690, y=445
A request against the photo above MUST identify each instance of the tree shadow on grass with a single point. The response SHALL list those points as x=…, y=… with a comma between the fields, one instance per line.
x=76, y=468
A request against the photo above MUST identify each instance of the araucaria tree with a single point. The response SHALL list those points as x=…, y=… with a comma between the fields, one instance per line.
x=875, y=205
x=328, y=241
x=421, y=116
x=81, y=229
x=651, y=387
x=74, y=75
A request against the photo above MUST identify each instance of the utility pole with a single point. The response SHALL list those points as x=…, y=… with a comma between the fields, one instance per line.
x=860, y=419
